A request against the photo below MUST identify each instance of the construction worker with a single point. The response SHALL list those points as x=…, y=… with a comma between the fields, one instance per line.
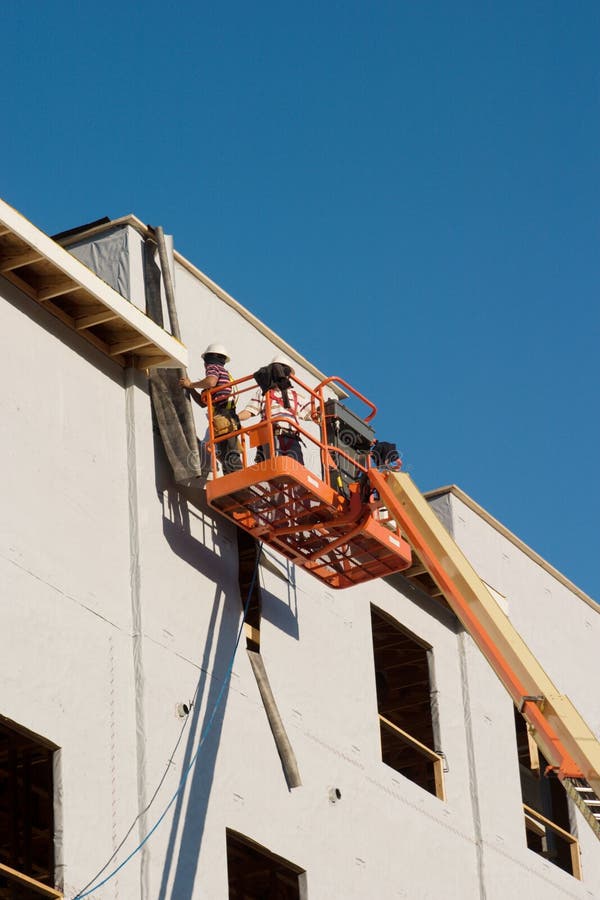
x=286, y=438
x=223, y=404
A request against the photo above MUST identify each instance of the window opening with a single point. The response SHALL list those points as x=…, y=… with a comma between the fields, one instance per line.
x=256, y=874
x=402, y=674
x=546, y=806
x=26, y=811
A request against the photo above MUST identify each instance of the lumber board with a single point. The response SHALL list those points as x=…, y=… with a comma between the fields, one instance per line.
x=98, y=318
x=422, y=748
x=36, y=886
x=572, y=841
x=253, y=634
x=149, y=362
x=282, y=742
x=129, y=346
x=56, y=290
x=17, y=262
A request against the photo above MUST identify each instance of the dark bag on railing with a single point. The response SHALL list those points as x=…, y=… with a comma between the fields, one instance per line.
x=275, y=376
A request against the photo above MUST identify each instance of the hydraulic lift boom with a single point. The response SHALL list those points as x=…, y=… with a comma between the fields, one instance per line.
x=562, y=735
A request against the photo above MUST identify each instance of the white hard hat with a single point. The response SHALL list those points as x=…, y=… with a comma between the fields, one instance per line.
x=217, y=348
x=283, y=360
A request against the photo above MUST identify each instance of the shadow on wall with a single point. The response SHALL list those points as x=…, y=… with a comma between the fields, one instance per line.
x=179, y=515
x=189, y=816
x=200, y=553
x=185, y=513
x=75, y=342
x=281, y=614
x=187, y=506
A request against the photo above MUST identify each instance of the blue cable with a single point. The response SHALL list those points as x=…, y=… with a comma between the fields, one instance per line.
x=207, y=730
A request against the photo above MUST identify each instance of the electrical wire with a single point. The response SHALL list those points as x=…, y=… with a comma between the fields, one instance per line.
x=84, y=892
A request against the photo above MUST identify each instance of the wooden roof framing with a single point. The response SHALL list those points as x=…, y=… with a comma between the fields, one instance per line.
x=64, y=286
x=67, y=238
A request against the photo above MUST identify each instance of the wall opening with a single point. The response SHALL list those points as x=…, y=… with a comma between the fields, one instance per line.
x=407, y=730
x=548, y=824
x=256, y=874
x=26, y=808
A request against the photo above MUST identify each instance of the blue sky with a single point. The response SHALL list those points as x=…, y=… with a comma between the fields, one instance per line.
x=407, y=192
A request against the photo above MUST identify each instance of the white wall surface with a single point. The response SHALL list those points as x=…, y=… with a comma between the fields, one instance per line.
x=562, y=630
x=65, y=641
x=120, y=598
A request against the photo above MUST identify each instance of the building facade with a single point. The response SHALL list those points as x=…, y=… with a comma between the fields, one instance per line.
x=121, y=605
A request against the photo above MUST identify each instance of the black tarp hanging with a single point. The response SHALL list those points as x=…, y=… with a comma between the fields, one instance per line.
x=170, y=403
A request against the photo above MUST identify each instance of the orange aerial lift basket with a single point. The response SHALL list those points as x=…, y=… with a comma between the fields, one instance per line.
x=335, y=514
x=321, y=513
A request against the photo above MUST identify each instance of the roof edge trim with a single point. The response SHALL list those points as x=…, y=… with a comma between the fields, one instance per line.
x=15, y=223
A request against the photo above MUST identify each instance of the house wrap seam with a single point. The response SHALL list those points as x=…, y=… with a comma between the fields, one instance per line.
x=472, y=769
x=136, y=623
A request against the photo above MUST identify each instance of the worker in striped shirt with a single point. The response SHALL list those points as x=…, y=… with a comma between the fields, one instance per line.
x=286, y=438
x=223, y=404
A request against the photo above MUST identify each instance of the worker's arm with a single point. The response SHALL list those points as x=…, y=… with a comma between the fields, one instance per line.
x=251, y=409
x=305, y=409
x=204, y=384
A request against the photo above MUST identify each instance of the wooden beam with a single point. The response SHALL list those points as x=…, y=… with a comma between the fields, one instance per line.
x=282, y=742
x=534, y=753
x=435, y=758
x=36, y=886
x=533, y=825
x=127, y=346
x=22, y=259
x=56, y=290
x=438, y=774
x=64, y=317
x=60, y=266
x=149, y=362
x=576, y=860
x=107, y=315
x=4, y=230
x=566, y=835
x=253, y=634
x=70, y=321
x=21, y=284
x=425, y=751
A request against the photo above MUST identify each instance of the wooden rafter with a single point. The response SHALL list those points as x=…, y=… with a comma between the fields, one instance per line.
x=65, y=287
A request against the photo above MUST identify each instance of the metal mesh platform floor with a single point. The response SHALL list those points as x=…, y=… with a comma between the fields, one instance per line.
x=337, y=540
